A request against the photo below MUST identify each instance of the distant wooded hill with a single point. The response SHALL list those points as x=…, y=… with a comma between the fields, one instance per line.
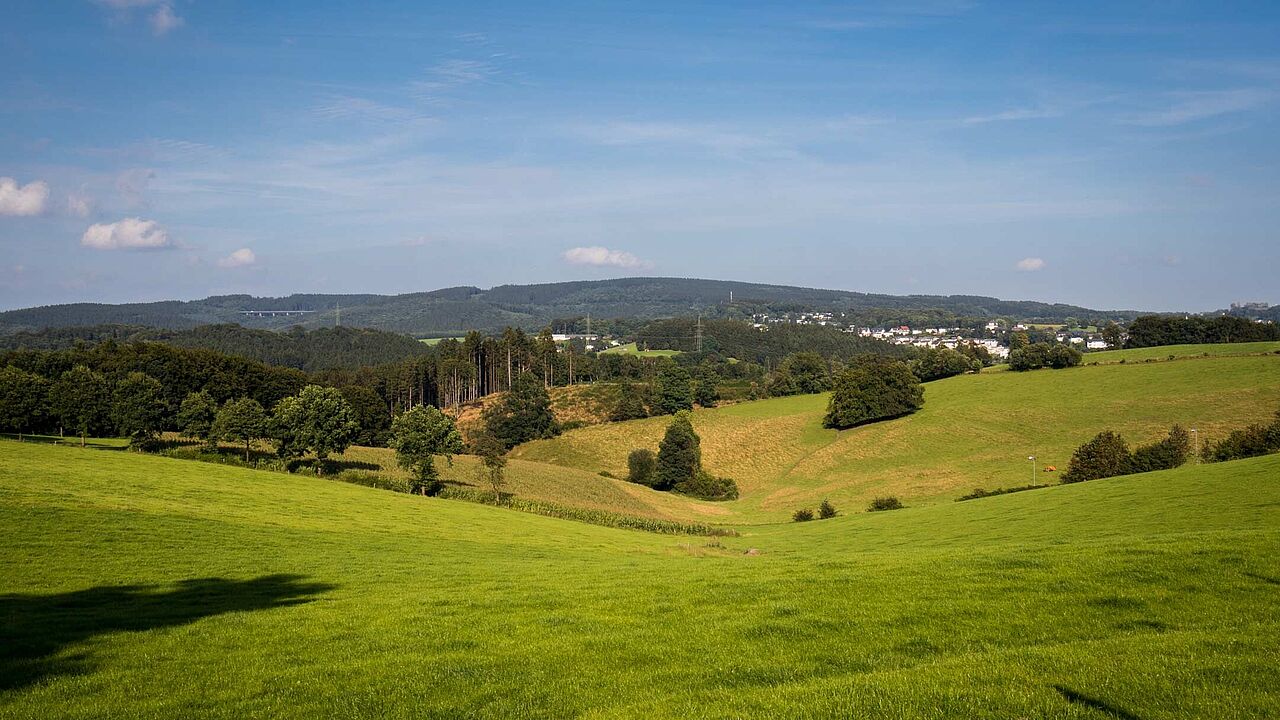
x=452, y=311
x=321, y=349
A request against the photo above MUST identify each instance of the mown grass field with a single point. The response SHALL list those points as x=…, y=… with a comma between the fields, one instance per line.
x=974, y=431
x=1177, y=352
x=139, y=586
x=630, y=349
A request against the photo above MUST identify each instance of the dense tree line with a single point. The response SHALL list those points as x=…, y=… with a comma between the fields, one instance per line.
x=763, y=346
x=309, y=350
x=1108, y=455
x=1044, y=355
x=1251, y=441
x=84, y=383
x=1156, y=330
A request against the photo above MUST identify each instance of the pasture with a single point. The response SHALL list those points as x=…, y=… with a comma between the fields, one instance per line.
x=140, y=586
x=974, y=431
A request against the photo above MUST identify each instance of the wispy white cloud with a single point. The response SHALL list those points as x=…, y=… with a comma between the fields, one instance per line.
x=163, y=19
x=127, y=234
x=160, y=14
x=29, y=199
x=451, y=75
x=239, y=258
x=79, y=204
x=597, y=256
x=1030, y=264
x=1010, y=115
x=1185, y=107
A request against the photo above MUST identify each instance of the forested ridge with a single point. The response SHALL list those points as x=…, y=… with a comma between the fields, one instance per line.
x=321, y=349
x=453, y=311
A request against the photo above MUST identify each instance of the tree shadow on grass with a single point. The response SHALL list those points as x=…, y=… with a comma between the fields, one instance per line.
x=35, y=630
x=1072, y=696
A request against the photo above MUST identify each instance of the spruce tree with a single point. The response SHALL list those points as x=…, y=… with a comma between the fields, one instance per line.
x=679, y=453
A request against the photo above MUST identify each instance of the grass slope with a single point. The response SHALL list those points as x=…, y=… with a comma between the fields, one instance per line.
x=974, y=430
x=1178, y=352
x=137, y=586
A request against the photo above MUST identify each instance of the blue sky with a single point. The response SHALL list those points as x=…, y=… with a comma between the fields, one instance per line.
x=1106, y=154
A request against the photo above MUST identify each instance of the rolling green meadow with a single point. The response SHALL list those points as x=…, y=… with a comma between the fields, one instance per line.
x=973, y=431
x=140, y=586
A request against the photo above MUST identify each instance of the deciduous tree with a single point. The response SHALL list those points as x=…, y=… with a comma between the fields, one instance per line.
x=417, y=437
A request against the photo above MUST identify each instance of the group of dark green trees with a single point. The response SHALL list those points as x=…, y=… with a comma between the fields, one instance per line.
x=1156, y=330
x=1044, y=355
x=1108, y=455
x=677, y=466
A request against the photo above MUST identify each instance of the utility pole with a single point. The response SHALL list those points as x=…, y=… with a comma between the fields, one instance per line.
x=1195, y=436
x=697, y=336
x=1032, y=458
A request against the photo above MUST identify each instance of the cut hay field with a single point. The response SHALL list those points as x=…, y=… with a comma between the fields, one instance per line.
x=141, y=586
x=974, y=431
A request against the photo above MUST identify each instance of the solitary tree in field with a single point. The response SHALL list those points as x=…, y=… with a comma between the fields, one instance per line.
x=317, y=420
x=138, y=407
x=196, y=416
x=418, y=436
x=24, y=400
x=240, y=421
x=522, y=414
x=493, y=463
x=679, y=453
x=80, y=401
x=877, y=391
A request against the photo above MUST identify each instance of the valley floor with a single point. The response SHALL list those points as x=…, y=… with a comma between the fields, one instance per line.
x=138, y=586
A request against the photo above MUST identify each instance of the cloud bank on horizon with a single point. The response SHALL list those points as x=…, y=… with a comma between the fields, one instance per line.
x=1100, y=155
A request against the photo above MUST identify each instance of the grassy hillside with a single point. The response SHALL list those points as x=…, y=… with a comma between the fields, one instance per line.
x=1177, y=352
x=974, y=431
x=138, y=586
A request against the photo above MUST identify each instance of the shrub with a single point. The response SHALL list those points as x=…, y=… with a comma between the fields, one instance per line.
x=980, y=493
x=573, y=425
x=877, y=391
x=374, y=480
x=706, y=486
x=1252, y=441
x=827, y=510
x=1105, y=455
x=642, y=465
x=803, y=515
x=885, y=503
x=607, y=474
x=1166, y=454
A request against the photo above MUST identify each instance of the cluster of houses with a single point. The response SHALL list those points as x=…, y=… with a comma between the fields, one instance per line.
x=932, y=338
